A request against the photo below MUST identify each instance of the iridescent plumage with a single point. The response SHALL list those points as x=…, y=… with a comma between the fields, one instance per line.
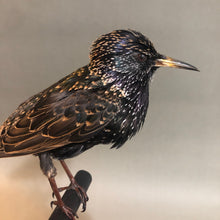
x=104, y=102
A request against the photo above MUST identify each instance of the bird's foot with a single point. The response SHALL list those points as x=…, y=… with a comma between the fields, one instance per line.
x=79, y=191
x=68, y=211
x=75, y=186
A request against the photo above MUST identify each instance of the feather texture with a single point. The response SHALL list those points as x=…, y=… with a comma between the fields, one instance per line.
x=61, y=116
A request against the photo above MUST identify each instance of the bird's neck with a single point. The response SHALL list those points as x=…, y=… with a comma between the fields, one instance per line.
x=125, y=84
x=132, y=94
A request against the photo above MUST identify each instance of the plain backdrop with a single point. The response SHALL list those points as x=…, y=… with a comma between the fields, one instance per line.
x=171, y=169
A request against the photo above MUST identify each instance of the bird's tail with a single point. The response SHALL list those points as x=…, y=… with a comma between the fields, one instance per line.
x=2, y=152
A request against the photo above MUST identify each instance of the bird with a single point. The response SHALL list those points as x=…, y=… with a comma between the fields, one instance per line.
x=103, y=102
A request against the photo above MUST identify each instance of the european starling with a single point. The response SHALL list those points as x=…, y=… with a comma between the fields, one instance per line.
x=104, y=102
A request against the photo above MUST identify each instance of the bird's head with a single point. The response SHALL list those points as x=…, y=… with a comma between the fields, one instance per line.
x=128, y=55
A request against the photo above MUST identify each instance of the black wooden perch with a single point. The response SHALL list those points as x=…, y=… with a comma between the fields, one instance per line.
x=70, y=198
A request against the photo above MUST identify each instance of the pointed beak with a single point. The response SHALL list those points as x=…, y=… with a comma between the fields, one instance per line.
x=164, y=61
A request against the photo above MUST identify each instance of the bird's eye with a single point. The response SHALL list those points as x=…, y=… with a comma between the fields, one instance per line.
x=140, y=57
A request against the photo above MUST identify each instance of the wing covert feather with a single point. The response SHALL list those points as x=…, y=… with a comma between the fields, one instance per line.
x=57, y=120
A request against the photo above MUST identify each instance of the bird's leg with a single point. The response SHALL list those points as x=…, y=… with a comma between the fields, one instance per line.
x=68, y=211
x=74, y=185
x=49, y=170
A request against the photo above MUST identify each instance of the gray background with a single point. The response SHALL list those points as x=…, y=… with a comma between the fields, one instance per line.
x=171, y=169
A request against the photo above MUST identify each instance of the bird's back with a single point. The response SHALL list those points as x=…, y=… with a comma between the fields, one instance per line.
x=75, y=113
x=103, y=102
x=70, y=111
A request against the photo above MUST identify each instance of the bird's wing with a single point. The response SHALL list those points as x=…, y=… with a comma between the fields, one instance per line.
x=56, y=120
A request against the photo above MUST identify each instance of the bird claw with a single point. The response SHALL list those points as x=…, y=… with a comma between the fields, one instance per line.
x=79, y=191
x=68, y=211
x=60, y=189
x=53, y=203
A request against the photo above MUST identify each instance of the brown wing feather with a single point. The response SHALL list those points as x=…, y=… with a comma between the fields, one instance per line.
x=56, y=120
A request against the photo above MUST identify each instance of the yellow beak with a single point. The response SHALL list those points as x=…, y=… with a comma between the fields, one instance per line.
x=164, y=61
